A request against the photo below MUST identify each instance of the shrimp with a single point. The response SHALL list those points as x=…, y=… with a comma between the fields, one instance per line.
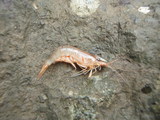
x=87, y=62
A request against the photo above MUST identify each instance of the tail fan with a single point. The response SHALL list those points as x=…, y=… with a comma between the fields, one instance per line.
x=42, y=71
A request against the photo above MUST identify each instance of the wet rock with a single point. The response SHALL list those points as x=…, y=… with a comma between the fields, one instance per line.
x=146, y=89
x=42, y=98
x=124, y=2
x=83, y=109
x=128, y=89
x=155, y=106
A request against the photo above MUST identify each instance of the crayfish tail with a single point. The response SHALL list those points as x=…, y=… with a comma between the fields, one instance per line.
x=44, y=68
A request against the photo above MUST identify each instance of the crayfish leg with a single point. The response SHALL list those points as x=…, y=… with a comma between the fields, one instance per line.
x=81, y=66
x=73, y=65
x=90, y=74
x=67, y=60
x=84, y=71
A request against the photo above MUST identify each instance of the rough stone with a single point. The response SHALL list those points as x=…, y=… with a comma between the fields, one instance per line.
x=30, y=30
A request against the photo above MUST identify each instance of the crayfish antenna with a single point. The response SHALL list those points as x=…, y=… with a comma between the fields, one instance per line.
x=45, y=66
x=108, y=63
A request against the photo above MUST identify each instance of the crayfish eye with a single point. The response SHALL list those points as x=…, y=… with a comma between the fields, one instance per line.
x=98, y=58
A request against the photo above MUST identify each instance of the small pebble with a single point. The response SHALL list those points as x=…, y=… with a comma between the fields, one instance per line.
x=70, y=93
x=144, y=10
x=42, y=98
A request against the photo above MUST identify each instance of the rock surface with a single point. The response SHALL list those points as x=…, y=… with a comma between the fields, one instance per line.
x=129, y=89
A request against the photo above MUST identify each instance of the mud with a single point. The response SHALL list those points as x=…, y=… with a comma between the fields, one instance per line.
x=128, y=90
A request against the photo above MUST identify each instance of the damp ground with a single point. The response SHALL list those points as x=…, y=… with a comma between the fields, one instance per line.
x=127, y=90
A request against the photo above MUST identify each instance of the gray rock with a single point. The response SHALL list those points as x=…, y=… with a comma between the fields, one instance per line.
x=128, y=89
